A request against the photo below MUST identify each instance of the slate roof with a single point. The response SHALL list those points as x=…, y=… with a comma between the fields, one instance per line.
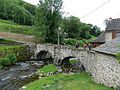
x=100, y=38
x=111, y=47
x=113, y=25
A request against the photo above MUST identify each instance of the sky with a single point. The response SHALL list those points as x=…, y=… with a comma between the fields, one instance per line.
x=79, y=8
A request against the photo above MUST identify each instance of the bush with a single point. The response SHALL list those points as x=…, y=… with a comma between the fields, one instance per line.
x=8, y=60
x=70, y=41
x=73, y=42
x=12, y=58
x=80, y=42
x=4, y=61
x=7, y=55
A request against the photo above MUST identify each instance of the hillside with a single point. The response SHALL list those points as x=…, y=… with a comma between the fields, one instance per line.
x=18, y=11
x=9, y=26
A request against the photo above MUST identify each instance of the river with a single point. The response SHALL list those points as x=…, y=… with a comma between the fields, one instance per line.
x=15, y=76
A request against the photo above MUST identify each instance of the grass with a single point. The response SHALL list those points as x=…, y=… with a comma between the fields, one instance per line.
x=72, y=61
x=49, y=68
x=9, y=26
x=80, y=81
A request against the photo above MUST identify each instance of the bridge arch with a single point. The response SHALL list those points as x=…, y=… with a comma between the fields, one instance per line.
x=72, y=64
x=45, y=56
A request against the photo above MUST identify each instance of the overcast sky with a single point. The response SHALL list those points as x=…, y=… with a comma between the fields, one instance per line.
x=80, y=8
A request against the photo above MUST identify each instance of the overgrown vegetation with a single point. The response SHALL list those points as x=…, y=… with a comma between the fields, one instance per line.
x=80, y=81
x=7, y=55
x=118, y=57
x=69, y=41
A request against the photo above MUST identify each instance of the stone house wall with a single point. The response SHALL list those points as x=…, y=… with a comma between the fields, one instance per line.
x=104, y=69
x=108, y=36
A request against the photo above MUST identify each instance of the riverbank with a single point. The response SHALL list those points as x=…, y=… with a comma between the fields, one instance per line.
x=63, y=81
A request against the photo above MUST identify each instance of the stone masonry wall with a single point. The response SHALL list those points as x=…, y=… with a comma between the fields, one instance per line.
x=104, y=69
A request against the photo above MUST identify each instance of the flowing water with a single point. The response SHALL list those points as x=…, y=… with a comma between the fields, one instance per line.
x=18, y=75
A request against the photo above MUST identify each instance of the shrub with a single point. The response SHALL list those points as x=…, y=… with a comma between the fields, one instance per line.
x=12, y=58
x=8, y=60
x=80, y=42
x=4, y=61
x=70, y=41
x=73, y=42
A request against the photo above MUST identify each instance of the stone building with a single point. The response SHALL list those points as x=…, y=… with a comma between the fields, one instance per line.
x=112, y=31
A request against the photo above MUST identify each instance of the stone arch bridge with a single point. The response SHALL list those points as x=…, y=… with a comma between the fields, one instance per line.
x=59, y=52
x=104, y=68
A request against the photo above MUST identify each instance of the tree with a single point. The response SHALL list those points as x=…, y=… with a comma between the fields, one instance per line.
x=71, y=26
x=95, y=31
x=48, y=19
x=85, y=29
x=17, y=11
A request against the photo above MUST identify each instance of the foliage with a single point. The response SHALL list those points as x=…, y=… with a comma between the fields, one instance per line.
x=17, y=11
x=48, y=17
x=8, y=60
x=49, y=68
x=7, y=55
x=70, y=41
x=95, y=31
x=118, y=57
x=78, y=32
x=81, y=42
x=71, y=26
x=23, y=53
x=85, y=29
x=80, y=81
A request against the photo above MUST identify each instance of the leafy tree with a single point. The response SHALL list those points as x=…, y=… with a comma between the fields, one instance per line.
x=95, y=31
x=71, y=26
x=85, y=29
x=17, y=11
x=48, y=18
x=29, y=7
